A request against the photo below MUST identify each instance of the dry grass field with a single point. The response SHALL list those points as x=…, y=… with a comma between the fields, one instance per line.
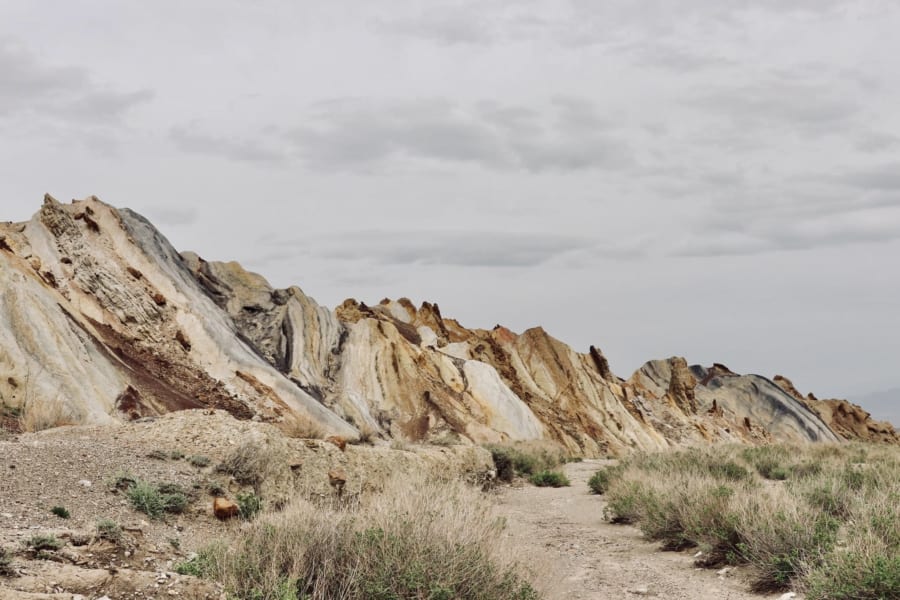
x=820, y=519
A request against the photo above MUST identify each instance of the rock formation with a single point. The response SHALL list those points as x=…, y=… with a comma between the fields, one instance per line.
x=101, y=320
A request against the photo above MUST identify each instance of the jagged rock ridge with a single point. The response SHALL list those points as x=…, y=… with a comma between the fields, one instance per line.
x=102, y=320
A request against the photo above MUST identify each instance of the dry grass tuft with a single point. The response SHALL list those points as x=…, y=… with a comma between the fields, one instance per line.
x=418, y=538
x=302, y=426
x=45, y=414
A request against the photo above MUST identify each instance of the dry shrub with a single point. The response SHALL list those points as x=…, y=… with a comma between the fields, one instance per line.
x=44, y=414
x=263, y=463
x=418, y=538
x=525, y=458
x=302, y=426
x=788, y=529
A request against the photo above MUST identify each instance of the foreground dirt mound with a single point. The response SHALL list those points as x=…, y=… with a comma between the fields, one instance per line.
x=104, y=546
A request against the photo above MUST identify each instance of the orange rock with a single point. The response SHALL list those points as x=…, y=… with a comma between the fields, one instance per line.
x=337, y=441
x=224, y=509
x=337, y=478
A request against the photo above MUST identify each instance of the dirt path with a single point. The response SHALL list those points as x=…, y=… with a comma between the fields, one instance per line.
x=563, y=531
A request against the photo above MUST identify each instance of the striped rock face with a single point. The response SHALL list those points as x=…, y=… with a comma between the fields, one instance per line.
x=101, y=321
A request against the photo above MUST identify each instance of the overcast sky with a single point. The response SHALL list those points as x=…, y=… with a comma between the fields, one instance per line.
x=716, y=179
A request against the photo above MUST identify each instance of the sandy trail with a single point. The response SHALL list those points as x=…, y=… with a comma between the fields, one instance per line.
x=584, y=557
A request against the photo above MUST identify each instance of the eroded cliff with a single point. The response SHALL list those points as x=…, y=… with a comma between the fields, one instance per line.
x=101, y=320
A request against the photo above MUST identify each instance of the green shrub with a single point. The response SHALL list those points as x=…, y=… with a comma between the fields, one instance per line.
x=503, y=463
x=249, y=504
x=523, y=460
x=623, y=502
x=199, y=461
x=599, y=481
x=6, y=564
x=769, y=461
x=730, y=471
x=199, y=565
x=61, y=512
x=215, y=488
x=157, y=499
x=177, y=454
x=805, y=469
x=109, y=530
x=856, y=576
x=770, y=468
x=44, y=542
x=549, y=479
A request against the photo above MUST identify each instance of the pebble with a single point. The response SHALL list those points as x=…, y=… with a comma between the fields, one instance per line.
x=788, y=596
x=85, y=483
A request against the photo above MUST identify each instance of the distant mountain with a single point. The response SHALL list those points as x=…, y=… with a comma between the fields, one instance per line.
x=103, y=321
x=884, y=405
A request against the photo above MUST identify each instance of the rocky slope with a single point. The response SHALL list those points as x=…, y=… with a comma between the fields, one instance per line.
x=101, y=320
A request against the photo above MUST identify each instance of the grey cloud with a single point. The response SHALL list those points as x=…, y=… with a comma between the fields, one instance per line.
x=744, y=236
x=879, y=178
x=68, y=93
x=448, y=248
x=673, y=57
x=191, y=139
x=353, y=134
x=877, y=142
x=807, y=107
x=444, y=25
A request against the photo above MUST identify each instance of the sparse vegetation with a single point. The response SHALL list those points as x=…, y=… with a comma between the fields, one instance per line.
x=157, y=499
x=549, y=479
x=303, y=427
x=820, y=519
x=109, y=530
x=215, y=488
x=199, y=565
x=43, y=542
x=599, y=481
x=61, y=511
x=42, y=415
x=158, y=454
x=416, y=539
x=249, y=462
x=249, y=504
x=525, y=459
x=199, y=461
x=6, y=564
x=176, y=455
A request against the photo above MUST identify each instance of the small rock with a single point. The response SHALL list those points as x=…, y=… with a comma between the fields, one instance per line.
x=699, y=554
x=641, y=591
x=723, y=572
x=85, y=483
x=787, y=596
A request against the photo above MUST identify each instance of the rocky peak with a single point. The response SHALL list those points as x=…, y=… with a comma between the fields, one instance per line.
x=101, y=320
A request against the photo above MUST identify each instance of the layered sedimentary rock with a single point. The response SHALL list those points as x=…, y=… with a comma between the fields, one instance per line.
x=848, y=420
x=101, y=320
